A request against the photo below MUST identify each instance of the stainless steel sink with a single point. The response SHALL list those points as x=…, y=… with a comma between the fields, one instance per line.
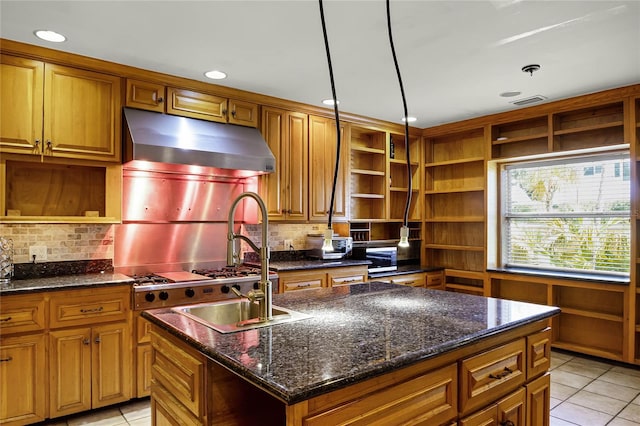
x=230, y=316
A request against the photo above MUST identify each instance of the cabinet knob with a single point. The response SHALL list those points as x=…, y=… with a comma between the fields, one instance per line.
x=85, y=342
x=233, y=113
x=224, y=112
x=36, y=143
x=97, y=340
x=160, y=100
x=49, y=143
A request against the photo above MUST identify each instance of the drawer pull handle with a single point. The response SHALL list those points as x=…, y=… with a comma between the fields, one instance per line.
x=6, y=359
x=507, y=423
x=5, y=319
x=304, y=285
x=89, y=311
x=502, y=374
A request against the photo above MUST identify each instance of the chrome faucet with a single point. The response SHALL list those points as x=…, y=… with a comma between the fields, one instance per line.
x=264, y=294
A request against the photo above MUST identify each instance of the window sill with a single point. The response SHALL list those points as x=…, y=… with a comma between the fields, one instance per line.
x=604, y=279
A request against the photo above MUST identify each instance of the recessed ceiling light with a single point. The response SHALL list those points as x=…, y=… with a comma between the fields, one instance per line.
x=510, y=94
x=51, y=36
x=329, y=102
x=215, y=75
x=409, y=119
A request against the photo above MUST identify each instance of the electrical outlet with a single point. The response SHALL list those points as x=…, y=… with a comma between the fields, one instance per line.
x=38, y=253
x=288, y=244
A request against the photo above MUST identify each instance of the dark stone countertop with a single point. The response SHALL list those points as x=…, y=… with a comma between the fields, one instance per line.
x=300, y=265
x=63, y=282
x=405, y=270
x=356, y=332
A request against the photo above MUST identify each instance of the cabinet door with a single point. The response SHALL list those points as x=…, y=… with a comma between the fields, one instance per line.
x=69, y=371
x=285, y=191
x=538, y=401
x=511, y=409
x=187, y=103
x=21, y=100
x=81, y=114
x=322, y=161
x=22, y=369
x=145, y=95
x=111, y=364
x=243, y=113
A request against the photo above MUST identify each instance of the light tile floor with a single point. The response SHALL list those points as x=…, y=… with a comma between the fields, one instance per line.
x=584, y=391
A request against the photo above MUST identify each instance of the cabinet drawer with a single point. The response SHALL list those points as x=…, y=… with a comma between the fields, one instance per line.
x=353, y=279
x=143, y=327
x=413, y=280
x=302, y=285
x=426, y=399
x=178, y=371
x=435, y=280
x=22, y=313
x=82, y=307
x=538, y=353
x=491, y=374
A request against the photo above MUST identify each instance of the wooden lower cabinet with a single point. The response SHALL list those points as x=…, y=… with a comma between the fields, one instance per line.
x=489, y=383
x=23, y=373
x=89, y=368
x=316, y=278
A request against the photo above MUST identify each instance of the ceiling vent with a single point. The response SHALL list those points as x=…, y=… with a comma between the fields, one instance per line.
x=529, y=101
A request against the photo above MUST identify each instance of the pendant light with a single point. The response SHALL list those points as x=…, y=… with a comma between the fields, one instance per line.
x=404, y=231
x=327, y=244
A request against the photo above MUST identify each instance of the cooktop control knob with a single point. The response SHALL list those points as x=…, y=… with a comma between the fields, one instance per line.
x=225, y=289
x=236, y=286
x=256, y=285
x=149, y=297
x=189, y=292
x=163, y=295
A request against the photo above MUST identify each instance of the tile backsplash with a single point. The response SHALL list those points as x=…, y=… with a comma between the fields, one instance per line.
x=63, y=241
x=278, y=232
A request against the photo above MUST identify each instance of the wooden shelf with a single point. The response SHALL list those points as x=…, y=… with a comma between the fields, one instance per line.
x=469, y=288
x=520, y=138
x=454, y=162
x=591, y=314
x=402, y=162
x=588, y=350
x=453, y=247
x=371, y=196
x=368, y=150
x=589, y=128
x=456, y=219
x=57, y=219
x=455, y=190
x=403, y=189
x=464, y=274
x=368, y=172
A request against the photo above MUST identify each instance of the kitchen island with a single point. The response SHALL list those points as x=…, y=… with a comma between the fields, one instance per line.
x=373, y=353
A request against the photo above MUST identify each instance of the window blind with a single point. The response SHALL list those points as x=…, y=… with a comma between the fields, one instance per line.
x=568, y=214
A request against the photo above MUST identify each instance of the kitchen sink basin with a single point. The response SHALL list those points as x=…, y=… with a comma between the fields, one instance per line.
x=230, y=316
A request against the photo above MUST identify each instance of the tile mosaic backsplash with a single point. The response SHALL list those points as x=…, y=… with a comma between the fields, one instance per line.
x=63, y=241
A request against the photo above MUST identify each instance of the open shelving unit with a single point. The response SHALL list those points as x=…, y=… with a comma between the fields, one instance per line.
x=454, y=208
x=520, y=138
x=368, y=173
x=635, y=225
x=398, y=179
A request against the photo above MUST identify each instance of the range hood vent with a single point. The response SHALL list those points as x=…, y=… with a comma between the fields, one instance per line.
x=169, y=141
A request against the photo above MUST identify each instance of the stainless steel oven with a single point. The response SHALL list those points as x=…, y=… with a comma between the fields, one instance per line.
x=383, y=259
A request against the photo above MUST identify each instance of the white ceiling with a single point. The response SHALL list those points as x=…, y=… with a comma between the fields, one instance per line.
x=455, y=57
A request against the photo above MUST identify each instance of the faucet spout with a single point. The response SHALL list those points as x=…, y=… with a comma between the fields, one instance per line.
x=265, y=302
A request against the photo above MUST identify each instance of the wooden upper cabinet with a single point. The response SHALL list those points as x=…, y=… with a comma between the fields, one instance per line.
x=145, y=95
x=204, y=106
x=21, y=98
x=322, y=161
x=285, y=191
x=81, y=114
x=52, y=110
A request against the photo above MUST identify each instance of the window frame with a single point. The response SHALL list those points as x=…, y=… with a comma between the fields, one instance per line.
x=502, y=233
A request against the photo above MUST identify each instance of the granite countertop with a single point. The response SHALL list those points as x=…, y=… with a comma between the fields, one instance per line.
x=404, y=270
x=63, y=282
x=356, y=332
x=296, y=265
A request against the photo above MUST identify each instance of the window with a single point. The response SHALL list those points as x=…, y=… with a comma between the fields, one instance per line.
x=569, y=214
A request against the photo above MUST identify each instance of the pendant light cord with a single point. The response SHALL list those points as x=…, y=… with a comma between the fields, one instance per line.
x=335, y=109
x=406, y=120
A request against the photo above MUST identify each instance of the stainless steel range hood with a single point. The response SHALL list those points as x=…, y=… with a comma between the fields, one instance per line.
x=167, y=140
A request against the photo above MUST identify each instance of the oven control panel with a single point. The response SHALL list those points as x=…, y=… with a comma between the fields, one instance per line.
x=165, y=296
